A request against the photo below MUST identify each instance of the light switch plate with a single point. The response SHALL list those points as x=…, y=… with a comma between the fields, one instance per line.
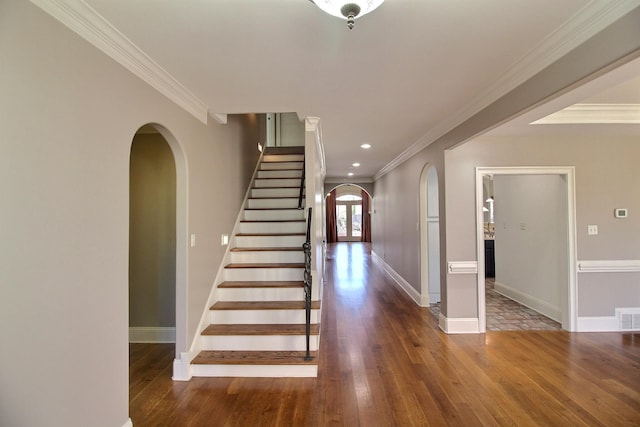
x=620, y=212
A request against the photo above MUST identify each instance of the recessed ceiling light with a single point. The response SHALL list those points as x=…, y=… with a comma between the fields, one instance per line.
x=350, y=174
x=355, y=165
x=365, y=146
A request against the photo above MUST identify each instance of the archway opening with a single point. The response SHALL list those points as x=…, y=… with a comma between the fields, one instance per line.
x=429, y=238
x=348, y=214
x=152, y=239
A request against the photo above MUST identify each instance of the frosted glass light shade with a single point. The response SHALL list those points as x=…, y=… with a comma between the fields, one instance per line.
x=333, y=7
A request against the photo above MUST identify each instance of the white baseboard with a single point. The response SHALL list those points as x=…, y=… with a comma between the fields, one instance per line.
x=459, y=325
x=532, y=302
x=403, y=284
x=139, y=334
x=598, y=324
x=129, y=423
x=182, y=367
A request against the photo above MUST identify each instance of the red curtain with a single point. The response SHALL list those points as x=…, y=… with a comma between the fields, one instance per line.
x=332, y=229
x=366, y=218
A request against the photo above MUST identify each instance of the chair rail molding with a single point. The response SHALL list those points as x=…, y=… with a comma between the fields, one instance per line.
x=462, y=267
x=609, y=266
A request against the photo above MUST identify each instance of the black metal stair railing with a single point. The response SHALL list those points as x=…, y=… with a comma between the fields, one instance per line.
x=301, y=195
x=306, y=246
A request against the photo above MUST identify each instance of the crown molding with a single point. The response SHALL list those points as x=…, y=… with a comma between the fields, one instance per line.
x=594, y=114
x=590, y=20
x=347, y=180
x=91, y=26
x=221, y=118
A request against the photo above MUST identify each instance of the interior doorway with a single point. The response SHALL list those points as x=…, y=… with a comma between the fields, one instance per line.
x=348, y=216
x=534, y=232
x=179, y=331
x=152, y=239
x=429, y=237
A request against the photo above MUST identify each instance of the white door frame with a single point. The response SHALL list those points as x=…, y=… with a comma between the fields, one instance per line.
x=569, y=173
x=349, y=225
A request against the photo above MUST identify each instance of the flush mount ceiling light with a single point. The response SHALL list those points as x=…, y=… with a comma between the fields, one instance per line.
x=349, y=10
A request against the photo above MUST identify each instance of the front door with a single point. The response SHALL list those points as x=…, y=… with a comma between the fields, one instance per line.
x=349, y=218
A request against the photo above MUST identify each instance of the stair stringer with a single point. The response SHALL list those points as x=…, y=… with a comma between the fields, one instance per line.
x=182, y=368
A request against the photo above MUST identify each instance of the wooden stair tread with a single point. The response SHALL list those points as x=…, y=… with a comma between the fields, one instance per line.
x=267, y=265
x=277, y=177
x=259, y=329
x=271, y=209
x=289, y=187
x=262, y=284
x=275, y=197
x=254, y=358
x=296, y=149
x=263, y=249
x=263, y=305
x=270, y=234
x=272, y=220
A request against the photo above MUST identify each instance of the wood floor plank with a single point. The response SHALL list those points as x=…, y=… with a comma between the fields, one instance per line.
x=383, y=361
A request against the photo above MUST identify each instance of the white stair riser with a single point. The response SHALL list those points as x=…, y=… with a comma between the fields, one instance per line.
x=280, y=174
x=269, y=241
x=280, y=182
x=274, y=215
x=260, y=294
x=254, y=317
x=258, y=342
x=281, y=166
x=290, y=203
x=258, y=371
x=266, y=274
x=260, y=257
x=273, y=227
x=283, y=158
x=276, y=192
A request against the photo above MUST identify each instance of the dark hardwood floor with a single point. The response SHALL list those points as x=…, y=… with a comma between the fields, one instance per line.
x=385, y=362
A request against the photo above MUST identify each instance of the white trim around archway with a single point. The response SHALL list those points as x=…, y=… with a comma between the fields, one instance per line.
x=181, y=362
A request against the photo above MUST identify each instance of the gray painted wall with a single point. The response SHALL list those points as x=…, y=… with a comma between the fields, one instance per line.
x=606, y=177
x=396, y=192
x=68, y=115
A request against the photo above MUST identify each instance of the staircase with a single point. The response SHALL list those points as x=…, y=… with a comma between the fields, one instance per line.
x=257, y=327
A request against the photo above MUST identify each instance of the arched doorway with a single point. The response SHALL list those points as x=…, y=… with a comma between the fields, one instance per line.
x=156, y=154
x=152, y=238
x=348, y=214
x=429, y=237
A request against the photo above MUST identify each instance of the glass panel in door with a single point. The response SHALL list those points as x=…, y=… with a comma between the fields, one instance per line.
x=341, y=221
x=356, y=221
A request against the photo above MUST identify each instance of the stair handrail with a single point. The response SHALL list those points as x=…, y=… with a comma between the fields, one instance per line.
x=301, y=186
x=306, y=246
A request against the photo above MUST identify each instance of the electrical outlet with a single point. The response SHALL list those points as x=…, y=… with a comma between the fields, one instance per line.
x=592, y=230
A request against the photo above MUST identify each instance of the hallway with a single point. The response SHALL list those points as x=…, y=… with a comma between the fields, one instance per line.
x=385, y=362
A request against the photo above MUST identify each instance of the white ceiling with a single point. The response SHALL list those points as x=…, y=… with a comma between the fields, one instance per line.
x=407, y=72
